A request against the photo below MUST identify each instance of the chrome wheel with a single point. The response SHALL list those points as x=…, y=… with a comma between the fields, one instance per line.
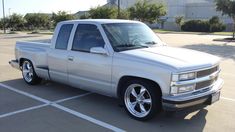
x=138, y=100
x=27, y=70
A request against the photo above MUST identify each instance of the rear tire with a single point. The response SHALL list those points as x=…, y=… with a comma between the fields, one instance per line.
x=28, y=73
x=142, y=99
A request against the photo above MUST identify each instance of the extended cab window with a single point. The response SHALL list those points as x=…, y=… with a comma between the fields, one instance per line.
x=86, y=37
x=63, y=36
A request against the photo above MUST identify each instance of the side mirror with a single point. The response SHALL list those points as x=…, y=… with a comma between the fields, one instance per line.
x=98, y=50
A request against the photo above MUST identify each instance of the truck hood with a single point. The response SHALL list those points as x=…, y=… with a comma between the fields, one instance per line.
x=178, y=58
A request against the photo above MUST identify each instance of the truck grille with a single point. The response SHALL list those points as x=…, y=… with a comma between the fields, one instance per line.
x=205, y=83
x=207, y=72
x=204, y=73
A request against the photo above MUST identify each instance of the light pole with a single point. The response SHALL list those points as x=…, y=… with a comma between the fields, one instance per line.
x=118, y=8
x=3, y=13
x=9, y=11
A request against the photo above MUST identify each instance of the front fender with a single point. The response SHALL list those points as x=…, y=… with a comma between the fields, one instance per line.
x=156, y=74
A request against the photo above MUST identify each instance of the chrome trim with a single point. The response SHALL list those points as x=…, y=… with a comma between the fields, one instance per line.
x=217, y=68
x=15, y=64
x=196, y=94
x=196, y=80
x=196, y=70
x=140, y=99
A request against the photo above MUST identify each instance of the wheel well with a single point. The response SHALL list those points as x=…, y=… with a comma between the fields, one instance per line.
x=21, y=61
x=125, y=79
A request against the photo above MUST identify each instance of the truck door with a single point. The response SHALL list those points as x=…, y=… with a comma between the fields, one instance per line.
x=88, y=70
x=57, y=56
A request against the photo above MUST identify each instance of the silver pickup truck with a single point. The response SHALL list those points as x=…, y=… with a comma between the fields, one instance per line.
x=122, y=59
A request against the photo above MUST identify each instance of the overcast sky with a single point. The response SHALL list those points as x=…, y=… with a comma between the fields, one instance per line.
x=48, y=6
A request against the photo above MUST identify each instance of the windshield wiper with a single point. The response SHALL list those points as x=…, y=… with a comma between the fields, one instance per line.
x=124, y=47
x=131, y=45
x=151, y=42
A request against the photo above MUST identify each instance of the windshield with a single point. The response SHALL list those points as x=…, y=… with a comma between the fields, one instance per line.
x=128, y=36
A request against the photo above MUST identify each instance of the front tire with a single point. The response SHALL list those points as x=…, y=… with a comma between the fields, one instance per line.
x=29, y=74
x=142, y=99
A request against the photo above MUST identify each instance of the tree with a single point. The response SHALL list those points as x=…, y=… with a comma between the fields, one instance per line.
x=147, y=12
x=6, y=22
x=15, y=22
x=228, y=8
x=85, y=16
x=124, y=14
x=61, y=16
x=107, y=13
x=214, y=19
x=179, y=20
x=37, y=20
x=1, y=23
x=103, y=13
x=216, y=25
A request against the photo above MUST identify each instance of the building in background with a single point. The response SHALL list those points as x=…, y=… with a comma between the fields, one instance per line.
x=190, y=9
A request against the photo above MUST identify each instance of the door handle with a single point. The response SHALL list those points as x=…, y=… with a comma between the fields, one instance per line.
x=70, y=58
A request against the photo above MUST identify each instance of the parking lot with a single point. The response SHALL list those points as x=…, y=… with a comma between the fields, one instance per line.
x=56, y=107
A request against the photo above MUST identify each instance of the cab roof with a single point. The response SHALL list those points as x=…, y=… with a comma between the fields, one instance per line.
x=100, y=21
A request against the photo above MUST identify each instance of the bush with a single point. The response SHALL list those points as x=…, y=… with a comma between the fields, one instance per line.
x=218, y=27
x=213, y=25
x=196, y=26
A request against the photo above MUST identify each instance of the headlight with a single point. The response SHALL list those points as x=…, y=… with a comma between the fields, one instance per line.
x=184, y=76
x=182, y=89
x=187, y=76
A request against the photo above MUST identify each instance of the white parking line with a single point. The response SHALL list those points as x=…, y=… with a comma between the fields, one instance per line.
x=43, y=105
x=70, y=98
x=47, y=102
x=23, y=110
x=230, y=99
x=26, y=94
x=93, y=120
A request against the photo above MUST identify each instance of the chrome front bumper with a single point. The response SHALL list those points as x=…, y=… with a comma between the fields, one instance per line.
x=15, y=64
x=204, y=96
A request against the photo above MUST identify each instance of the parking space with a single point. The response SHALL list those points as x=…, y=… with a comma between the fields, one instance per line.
x=47, y=119
x=211, y=118
x=56, y=107
x=11, y=101
x=47, y=90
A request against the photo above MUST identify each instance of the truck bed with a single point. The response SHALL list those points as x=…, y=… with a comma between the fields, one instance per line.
x=36, y=51
x=47, y=41
x=34, y=43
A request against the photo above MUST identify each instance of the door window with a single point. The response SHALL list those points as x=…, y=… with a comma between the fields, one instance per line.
x=63, y=36
x=86, y=37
